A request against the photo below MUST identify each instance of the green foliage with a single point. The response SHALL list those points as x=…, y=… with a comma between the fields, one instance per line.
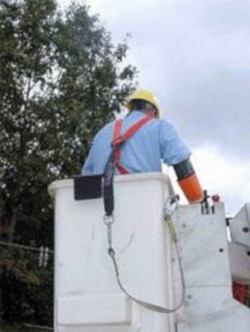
x=60, y=77
x=19, y=264
x=60, y=80
x=27, y=289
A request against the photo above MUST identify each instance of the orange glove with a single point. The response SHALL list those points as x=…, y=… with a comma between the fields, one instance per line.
x=192, y=188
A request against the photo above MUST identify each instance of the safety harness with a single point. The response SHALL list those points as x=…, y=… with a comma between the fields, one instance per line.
x=119, y=139
x=112, y=164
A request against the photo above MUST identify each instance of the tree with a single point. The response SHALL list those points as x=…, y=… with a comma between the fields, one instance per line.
x=60, y=79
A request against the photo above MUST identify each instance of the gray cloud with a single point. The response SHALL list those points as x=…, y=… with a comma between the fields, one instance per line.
x=210, y=96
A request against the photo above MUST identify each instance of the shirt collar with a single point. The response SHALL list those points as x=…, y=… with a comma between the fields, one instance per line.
x=136, y=112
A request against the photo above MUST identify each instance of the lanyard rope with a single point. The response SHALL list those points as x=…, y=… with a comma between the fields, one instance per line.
x=109, y=222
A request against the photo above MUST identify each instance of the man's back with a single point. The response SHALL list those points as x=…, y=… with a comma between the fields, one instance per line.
x=157, y=140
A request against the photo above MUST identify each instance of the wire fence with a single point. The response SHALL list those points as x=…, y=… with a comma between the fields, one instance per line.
x=26, y=286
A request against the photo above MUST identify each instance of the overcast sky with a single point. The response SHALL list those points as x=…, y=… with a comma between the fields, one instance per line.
x=195, y=55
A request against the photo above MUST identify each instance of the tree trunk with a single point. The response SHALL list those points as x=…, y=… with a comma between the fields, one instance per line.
x=12, y=227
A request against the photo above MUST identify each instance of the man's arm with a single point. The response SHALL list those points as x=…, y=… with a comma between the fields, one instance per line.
x=175, y=153
x=189, y=181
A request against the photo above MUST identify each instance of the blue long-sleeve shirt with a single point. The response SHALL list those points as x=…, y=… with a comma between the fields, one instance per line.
x=157, y=140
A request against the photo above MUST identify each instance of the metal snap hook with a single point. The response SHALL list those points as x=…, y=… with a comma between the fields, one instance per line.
x=171, y=205
x=108, y=220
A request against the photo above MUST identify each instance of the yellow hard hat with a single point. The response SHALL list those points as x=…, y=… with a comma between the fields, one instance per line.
x=145, y=95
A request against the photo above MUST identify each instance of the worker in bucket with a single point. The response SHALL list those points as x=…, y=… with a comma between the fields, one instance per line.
x=140, y=142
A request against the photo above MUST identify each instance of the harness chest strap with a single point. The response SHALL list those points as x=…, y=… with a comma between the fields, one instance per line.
x=119, y=139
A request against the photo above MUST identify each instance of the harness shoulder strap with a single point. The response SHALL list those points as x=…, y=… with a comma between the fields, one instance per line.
x=117, y=130
x=132, y=130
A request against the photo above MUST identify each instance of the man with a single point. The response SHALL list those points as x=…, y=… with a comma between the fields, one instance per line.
x=140, y=142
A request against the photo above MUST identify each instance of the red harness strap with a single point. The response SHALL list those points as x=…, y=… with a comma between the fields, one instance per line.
x=119, y=139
